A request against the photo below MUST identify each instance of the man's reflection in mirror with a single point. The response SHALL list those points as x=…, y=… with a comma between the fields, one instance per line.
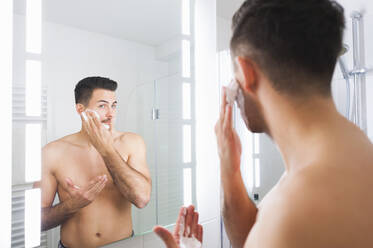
x=98, y=173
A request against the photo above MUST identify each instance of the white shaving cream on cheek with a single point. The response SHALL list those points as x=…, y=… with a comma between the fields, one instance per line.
x=187, y=242
x=232, y=92
x=96, y=114
x=84, y=116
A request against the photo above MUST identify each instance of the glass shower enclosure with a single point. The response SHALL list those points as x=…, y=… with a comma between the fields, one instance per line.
x=154, y=111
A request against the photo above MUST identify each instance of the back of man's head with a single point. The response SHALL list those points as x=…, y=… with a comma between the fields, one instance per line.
x=296, y=43
x=85, y=87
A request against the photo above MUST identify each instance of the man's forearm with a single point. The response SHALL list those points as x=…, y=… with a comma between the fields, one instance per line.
x=239, y=212
x=56, y=215
x=131, y=183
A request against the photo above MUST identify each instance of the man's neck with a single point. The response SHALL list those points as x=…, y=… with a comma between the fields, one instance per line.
x=84, y=139
x=303, y=130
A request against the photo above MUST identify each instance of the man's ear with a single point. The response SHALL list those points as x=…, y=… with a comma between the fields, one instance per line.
x=248, y=76
x=80, y=108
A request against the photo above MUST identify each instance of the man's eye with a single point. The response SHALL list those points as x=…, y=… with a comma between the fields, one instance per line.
x=114, y=106
x=101, y=106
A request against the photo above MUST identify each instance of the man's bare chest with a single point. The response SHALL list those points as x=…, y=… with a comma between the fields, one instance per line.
x=82, y=166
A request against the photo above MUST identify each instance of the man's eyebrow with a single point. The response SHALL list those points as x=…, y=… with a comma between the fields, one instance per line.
x=115, y=102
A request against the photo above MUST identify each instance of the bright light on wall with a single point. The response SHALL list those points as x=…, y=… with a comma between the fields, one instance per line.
x=256, y=144
x=33, y=152
x=187, y=144
x=32, y=218
x=186, y=101
x=33, y=26
x=186, y=17
x=185, y=49
x=6, y=51
x=187, y=181
x=257, y=172
x=33, y=88
x=225, y=71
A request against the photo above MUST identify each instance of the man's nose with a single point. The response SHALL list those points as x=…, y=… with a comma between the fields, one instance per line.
x=110, y=113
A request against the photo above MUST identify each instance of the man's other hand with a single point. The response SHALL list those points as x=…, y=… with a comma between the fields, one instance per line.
x=82, y=196
x=186, y=227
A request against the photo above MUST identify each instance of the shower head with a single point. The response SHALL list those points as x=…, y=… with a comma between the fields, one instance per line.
x=341, y=63
x=344, y=50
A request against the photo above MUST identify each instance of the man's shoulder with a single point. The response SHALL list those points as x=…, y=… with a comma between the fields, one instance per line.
x=300, y=192
x=296, y=208
x=129, y=138
x=59, y=145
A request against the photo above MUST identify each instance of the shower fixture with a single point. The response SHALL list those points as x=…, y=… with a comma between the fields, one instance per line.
x=356, y=93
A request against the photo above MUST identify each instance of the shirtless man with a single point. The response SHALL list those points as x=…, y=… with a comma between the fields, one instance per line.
x=98, y=173
x=284, y=54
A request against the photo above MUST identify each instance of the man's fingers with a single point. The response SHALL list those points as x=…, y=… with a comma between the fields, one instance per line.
x=95, y=119
x=166, y=236
x=180, y=219
x=199, y=235
x=97, y=187
x=100, y=187
x=228, y=117
x=86, y=123
x=188, y=220
x=83, y=116
x=92, y=183
x=194, y=226
x=223, y=102
x=71, y=185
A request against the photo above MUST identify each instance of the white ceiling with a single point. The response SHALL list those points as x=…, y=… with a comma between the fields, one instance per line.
x=227, y=8
x=150, y=22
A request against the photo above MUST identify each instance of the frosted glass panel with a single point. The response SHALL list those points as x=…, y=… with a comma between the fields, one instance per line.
x=136, y=117
x=169, y=132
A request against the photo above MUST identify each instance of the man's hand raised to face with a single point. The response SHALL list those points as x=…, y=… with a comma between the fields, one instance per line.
x=229, y=145
x=99, y=136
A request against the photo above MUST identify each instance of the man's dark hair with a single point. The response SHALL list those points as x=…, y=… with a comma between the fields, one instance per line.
x=84, y=88
x=295, y=42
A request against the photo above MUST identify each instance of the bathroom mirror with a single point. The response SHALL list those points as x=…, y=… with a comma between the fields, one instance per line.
x=143, y=45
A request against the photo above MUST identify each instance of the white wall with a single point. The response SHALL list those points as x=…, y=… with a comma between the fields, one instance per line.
x=71, y=54
x=224, y=33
